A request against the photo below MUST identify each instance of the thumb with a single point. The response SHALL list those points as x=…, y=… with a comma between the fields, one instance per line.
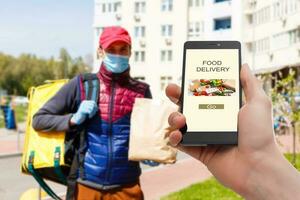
x=250, y=84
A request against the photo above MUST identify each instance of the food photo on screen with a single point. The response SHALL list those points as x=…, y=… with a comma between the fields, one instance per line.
x=212, y=87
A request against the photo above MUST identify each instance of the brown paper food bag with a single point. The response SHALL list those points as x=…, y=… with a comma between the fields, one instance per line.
x=149, y=131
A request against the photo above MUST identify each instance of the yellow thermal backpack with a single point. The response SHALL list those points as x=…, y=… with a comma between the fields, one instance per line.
x=49, y=155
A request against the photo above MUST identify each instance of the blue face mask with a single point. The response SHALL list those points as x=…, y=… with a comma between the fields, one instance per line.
x=116, y=63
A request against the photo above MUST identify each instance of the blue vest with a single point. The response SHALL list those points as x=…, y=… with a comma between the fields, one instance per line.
x=106, y=159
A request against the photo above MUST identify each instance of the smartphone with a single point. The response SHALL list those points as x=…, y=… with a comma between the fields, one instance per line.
x=211, y=92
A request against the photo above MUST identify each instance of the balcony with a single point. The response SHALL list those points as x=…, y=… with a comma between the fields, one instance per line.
x=221, y=34
x=222, y=9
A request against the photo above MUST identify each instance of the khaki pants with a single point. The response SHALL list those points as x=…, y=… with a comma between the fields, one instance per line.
x=130, y=192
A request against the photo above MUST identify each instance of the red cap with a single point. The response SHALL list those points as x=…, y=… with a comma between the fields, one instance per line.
x=112, y=34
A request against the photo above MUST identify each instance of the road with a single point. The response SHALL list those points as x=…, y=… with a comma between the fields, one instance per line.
x=13, y=183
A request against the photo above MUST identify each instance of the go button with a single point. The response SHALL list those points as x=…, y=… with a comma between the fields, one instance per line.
x=211, y=106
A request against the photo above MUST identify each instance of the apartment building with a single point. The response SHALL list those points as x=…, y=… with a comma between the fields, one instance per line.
x=273, y=33
x=268, y=29
x=272, y=36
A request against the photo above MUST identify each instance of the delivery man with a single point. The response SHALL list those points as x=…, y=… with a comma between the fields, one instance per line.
x=108, y=174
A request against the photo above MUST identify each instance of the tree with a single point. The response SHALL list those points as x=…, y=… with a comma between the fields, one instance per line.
x=283, y=98
x=65, y=63
x=27, y=70
x=78, y=66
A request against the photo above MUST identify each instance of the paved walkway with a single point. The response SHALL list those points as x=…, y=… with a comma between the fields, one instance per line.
x=156, y=182
x=161, y=181
x=11, y=141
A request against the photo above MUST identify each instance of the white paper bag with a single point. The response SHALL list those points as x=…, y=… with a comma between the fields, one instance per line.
x=149, y=131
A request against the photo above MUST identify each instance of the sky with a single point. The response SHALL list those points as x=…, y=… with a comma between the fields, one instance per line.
x=42, y=27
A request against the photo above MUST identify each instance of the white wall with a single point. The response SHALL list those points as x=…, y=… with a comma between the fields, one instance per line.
x=182, y=15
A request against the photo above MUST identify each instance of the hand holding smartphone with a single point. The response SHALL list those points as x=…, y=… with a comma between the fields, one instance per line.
x=211, y=92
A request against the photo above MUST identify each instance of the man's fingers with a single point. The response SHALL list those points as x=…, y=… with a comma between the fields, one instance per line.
x=175, y=137
x=173, y=91
x=176, y=120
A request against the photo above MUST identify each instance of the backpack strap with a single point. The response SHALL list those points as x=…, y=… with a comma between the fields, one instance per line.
x=91, y=87
x=39, y=179
x=57, y=168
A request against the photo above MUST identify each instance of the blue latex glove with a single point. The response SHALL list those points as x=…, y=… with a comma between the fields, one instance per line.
x=87, y=108
x=150, y=163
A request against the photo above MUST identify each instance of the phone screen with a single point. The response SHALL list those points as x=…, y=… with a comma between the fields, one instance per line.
x=211, y=90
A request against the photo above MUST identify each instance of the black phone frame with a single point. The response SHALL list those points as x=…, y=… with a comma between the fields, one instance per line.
x=212, y=137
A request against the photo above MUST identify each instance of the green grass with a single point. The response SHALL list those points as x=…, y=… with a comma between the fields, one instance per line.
x=211, y=189
x=20, y=114
x=207, y=190
x=289, y=156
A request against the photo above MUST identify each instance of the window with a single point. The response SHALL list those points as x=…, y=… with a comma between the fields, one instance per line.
x=166, y=5
x=117, y=6
x=139, y=31
x=262, y=45
x=195, y=3
x=218, y=1
x=166, y=30
x=164, y=81
x=294, y=6
x=224, y=23
x=166, y=55
x=139, y=56
x=103, y=8
x=140, y=7
x=262, y=16
x=280, y=40
x=111, y=7
x=162, y=55
x=195, y=28
x=170, y=55
x=294, y=36
x=143, y=56
x=285, y=7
